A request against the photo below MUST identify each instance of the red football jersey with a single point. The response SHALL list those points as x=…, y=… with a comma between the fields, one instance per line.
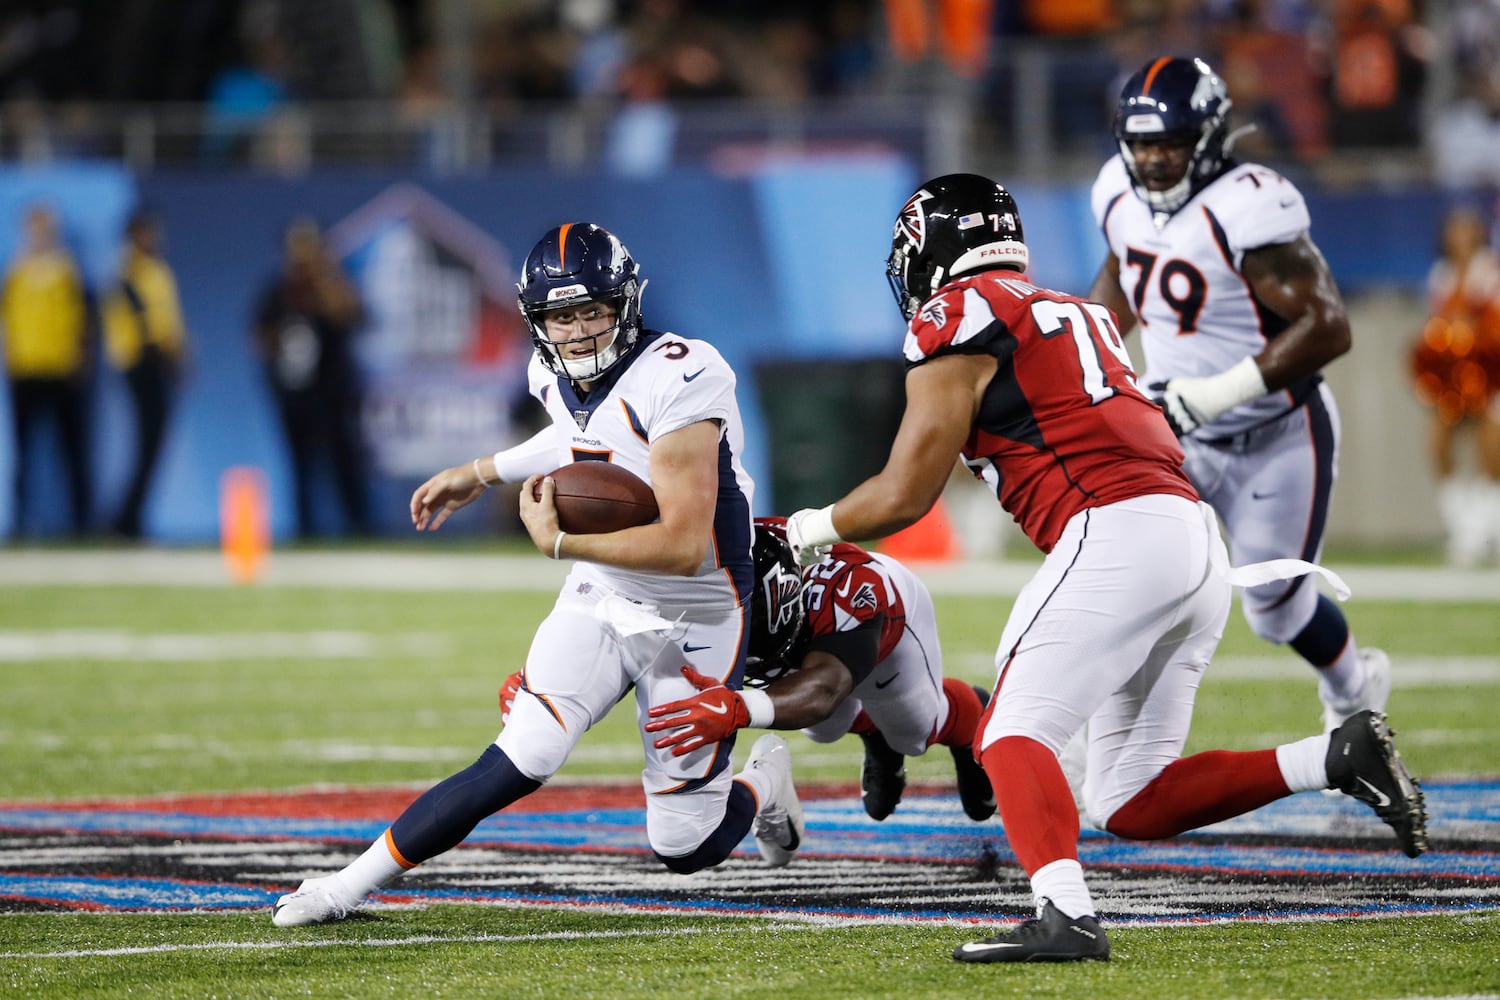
x=1062, y=426
x=847, y=589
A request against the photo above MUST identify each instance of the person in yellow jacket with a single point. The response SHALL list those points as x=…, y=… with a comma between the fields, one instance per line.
x=145, y=339
x=44, y=321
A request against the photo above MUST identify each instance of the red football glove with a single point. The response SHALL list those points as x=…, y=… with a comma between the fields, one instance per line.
x=508, y=692
x=710, y=716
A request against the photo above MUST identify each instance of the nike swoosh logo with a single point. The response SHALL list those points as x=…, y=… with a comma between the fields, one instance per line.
x=719, y=709
x=689, y=648
x=1258, y=495
x=1288, y=202
x=1381, y=799
x=881, y=686
x=689, y=378
x=980, y=948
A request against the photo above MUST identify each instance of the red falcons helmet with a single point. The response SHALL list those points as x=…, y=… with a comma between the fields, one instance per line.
x=952, y=226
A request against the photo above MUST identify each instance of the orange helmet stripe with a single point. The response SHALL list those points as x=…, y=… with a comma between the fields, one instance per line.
x=562, y=246
x=1151, y=73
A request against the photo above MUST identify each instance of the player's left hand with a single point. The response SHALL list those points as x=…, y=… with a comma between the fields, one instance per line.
x=1191, y=401
x=710, y=716
x=1181, y=415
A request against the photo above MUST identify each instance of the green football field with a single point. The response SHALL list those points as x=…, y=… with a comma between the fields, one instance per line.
x=175, y=684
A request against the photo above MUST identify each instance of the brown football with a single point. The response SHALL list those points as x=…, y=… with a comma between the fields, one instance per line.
x=595, y=497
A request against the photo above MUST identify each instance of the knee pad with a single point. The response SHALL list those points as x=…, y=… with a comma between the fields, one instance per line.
x=689, y=840
x=1281, y=621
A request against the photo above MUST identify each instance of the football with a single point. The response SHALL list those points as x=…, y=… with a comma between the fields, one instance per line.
x=595, y=497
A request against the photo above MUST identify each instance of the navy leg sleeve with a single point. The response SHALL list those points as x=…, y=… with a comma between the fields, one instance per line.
x=1325, y=636
x=739, y=811
x=448, y=811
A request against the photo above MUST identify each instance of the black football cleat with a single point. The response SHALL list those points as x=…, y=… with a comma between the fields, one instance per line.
x=882, y=777
x=974, y=789
x=1050, y=936
x=1363, y=763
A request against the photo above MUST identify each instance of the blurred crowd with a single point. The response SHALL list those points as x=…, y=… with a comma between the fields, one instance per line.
x=1314, y=75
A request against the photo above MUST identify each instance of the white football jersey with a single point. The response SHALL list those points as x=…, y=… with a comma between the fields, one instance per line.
x=1197, y=313
x=670, y=383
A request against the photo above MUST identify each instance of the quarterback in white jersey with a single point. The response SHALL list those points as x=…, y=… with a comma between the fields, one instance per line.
x=639, y=604
x=1238, y=314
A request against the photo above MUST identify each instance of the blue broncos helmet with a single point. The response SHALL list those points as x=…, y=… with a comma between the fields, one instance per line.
x=574, y=264
x=1172, y=98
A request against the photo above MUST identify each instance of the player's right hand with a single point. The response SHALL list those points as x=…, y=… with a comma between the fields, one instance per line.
x=508, y=692
x=710, y=716
x=434, y=501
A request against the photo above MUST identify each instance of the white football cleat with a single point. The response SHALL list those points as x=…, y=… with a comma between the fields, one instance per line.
x=1372, y=696
x=778, y=824
x=316, y=901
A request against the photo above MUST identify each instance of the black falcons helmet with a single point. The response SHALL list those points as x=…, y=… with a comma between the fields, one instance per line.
x=953, y=225
x=573, y=264
x=1175, y=99
x=776, y=610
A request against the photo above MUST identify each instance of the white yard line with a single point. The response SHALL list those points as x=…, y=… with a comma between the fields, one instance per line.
x=385, y=569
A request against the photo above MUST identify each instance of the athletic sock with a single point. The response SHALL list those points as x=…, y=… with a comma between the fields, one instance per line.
x=964, y=709
x=1199, y=790
x=1325, y=643
x=376, y=867
x=1303, y=764
x=1036, y=805
x=447, y=812
x=1062, y=882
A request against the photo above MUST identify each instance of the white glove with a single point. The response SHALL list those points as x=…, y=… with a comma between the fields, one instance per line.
x=810, y=534
x=1190, y=402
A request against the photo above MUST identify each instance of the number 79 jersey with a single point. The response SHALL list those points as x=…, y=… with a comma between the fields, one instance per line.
x=1062, y=426
x=1198, y=315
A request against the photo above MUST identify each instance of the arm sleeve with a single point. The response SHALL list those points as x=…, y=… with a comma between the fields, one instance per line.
x=534, y=456
x=858, y=648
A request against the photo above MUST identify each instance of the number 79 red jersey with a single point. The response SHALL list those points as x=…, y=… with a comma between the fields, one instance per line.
x=1062, y=426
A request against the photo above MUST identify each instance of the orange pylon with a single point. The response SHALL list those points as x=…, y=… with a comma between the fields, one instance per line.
x=931, y=539
x=244, y=522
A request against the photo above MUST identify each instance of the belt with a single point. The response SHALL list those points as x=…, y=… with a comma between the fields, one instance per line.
x=1247, y=439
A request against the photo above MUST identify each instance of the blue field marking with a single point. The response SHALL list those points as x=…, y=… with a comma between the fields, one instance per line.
x=1306, y=857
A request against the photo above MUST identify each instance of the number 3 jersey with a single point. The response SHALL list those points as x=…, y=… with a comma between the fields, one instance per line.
x=669, y=383
x=1062, y=426
x=1198, y=315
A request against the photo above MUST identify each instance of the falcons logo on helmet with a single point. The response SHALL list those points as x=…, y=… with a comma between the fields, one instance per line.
x=912, y=222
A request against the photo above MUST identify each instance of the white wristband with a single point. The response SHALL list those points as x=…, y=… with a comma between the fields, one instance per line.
x=1216, y=394
x=557, y=545
x=816, y=528
x=762, y=710
x=480, y=476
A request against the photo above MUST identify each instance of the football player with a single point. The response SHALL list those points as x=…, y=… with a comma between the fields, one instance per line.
x=1035, y=391
x=849, y=645
x=1238, y=313
x=637, y=604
